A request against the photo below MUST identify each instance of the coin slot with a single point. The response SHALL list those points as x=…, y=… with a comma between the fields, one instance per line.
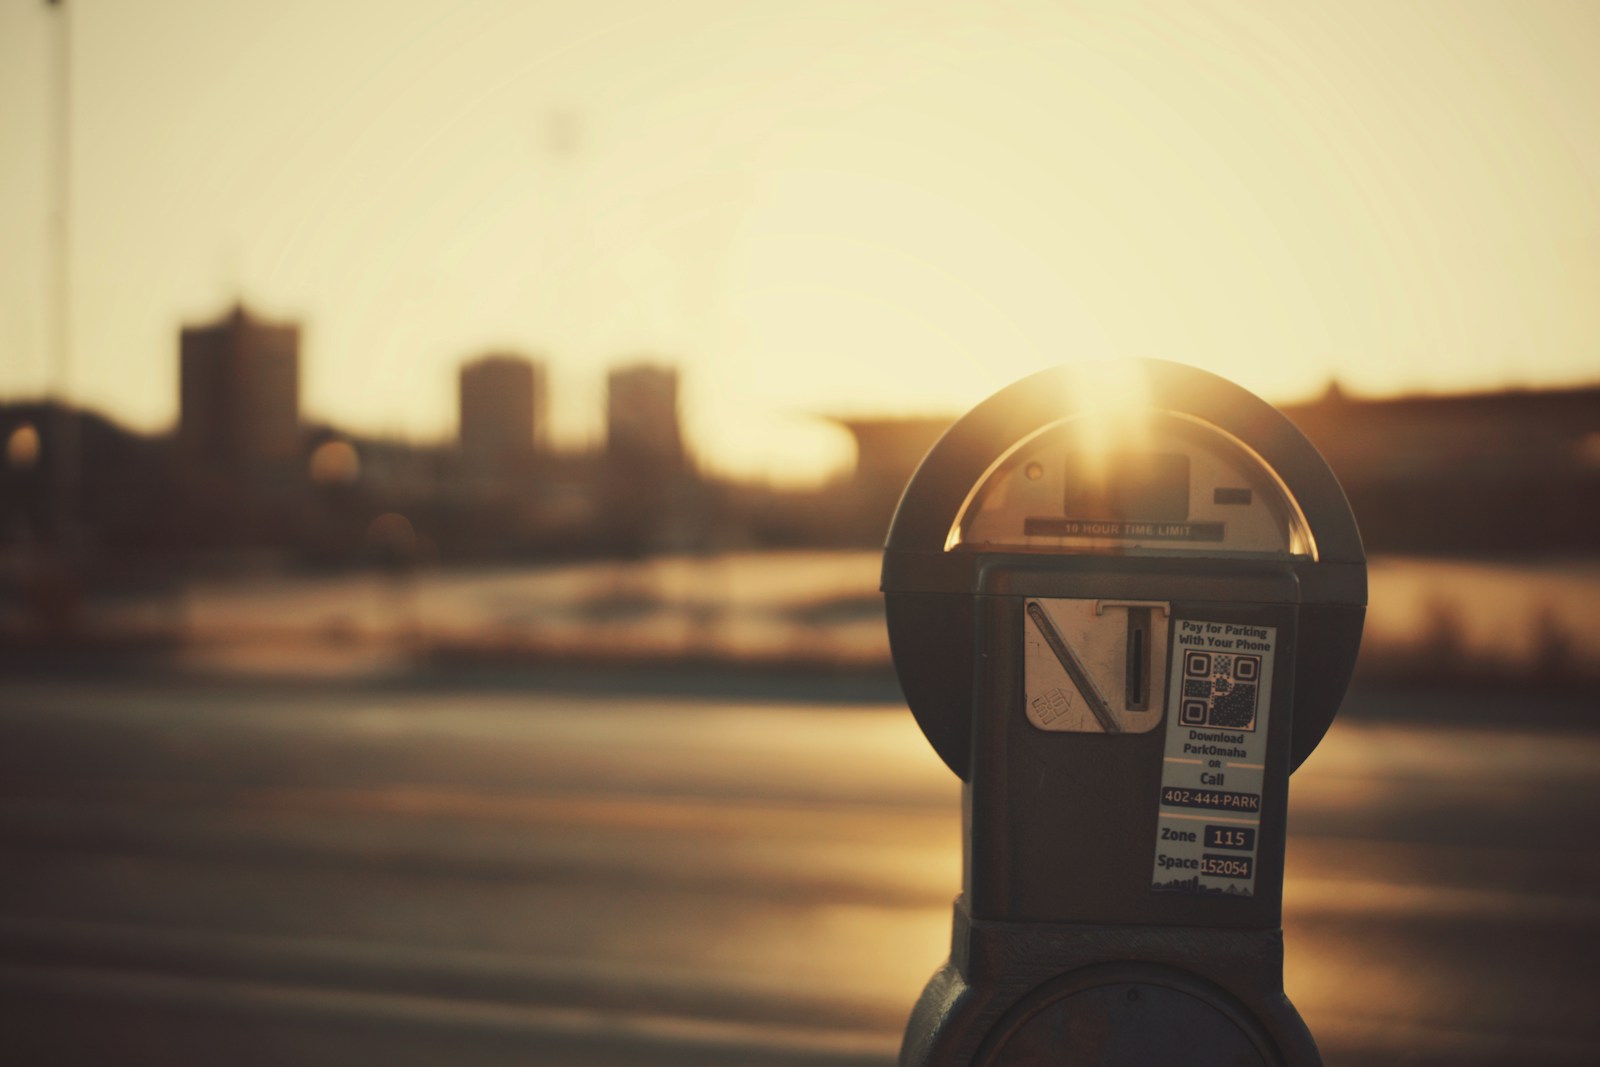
x=1138, y=663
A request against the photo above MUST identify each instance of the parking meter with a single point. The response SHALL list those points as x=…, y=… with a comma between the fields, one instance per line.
x=1124, y=601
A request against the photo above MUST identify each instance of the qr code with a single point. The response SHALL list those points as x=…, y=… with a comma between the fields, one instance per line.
x=1220, y=690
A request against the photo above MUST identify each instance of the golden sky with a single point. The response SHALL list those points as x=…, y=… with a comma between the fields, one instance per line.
x=815, y=207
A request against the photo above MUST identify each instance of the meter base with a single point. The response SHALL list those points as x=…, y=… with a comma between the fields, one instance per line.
x=1017, y=993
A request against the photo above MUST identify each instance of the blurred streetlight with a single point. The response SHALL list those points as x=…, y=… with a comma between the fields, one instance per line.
x=22, y=447
x=335, y=462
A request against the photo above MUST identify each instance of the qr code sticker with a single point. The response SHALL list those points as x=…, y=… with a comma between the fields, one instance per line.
x=1220, y=690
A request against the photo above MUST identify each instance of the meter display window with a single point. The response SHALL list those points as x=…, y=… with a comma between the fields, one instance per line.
x=1163, y=483
x=1127, y=486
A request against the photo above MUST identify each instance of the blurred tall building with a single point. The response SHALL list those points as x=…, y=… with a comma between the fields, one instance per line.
x=503, y=403
x=642, y=433
x=239, y=392
x=650, y=496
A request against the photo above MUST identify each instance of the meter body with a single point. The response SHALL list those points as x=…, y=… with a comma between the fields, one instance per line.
x=1124, y=601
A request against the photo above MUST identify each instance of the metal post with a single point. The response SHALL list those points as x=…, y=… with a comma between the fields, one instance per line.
x=65, y=465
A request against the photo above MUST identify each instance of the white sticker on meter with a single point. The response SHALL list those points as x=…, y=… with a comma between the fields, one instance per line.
x=1215, y=759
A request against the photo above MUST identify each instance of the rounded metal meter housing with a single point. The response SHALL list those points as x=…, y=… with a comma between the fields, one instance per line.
x=1125, y=478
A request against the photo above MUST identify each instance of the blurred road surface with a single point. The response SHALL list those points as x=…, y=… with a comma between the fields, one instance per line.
x=346, y=874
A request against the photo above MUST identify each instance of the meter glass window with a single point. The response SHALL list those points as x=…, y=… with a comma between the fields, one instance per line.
x=1128, y=486
x=1159, y=484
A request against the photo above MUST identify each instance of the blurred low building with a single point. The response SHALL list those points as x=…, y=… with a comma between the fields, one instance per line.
x=125, y=497
x=1488, y=473
x=1503, y=473
x=887, y=453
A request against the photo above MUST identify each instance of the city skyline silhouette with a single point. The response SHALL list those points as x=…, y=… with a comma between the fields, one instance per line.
x=840, y=210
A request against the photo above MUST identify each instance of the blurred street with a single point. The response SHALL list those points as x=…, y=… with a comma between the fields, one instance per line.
x=362, y=873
